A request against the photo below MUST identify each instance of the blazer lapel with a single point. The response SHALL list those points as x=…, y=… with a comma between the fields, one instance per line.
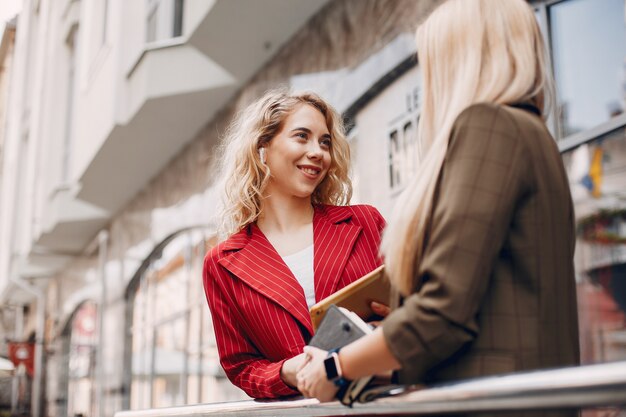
x=334, y=237
x=259, y=265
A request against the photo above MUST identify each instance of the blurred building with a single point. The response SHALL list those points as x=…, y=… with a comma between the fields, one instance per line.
x=109, y=145
x=7, y=322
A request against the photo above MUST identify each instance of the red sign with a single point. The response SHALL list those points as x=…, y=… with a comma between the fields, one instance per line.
x=22, y=353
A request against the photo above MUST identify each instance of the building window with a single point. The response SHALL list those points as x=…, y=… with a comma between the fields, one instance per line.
x=174, y=354
x=403, y=146
x=105, y=18
x=597, y=173
x=178, y=18
x=81, y=398
x=588, y=40
x=588, y=51
x=394, y=160
x=164, y=19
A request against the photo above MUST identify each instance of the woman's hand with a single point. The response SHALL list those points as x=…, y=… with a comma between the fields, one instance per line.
x=380, y=310
x=312, y=381
x=291, y=367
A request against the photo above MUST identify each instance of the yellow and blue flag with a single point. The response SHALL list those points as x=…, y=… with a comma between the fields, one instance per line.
x=593, y=180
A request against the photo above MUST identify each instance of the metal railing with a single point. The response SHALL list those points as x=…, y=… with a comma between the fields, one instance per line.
x=590, y=386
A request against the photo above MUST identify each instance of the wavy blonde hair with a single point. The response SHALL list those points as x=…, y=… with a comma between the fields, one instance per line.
x=469, y=51
x=245, y=176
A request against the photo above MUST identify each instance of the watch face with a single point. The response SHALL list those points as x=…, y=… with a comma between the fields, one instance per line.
x=331, y=367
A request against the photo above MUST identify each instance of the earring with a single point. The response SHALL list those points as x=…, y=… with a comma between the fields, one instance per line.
x=262, y=155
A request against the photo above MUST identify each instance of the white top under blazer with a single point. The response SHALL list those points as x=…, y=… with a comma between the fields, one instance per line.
x=301, y=266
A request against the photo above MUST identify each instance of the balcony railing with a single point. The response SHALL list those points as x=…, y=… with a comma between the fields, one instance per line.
x=590, y=386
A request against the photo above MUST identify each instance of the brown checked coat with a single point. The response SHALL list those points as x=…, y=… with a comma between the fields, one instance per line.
x=495, y=292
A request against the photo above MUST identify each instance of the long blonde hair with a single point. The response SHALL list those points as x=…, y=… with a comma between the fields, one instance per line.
x=245, y=176
x=469, y=51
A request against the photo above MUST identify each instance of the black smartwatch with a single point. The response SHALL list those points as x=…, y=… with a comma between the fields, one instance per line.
x=333, y=369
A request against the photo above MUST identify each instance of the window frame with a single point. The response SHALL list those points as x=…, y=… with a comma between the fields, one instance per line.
x=168, y=17
x=569, y=142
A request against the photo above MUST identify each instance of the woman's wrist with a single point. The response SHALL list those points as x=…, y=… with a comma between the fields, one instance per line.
x=369, y=355
x=341, y=357
x=287, y=374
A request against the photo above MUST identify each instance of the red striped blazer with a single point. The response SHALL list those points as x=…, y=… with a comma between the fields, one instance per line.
x=259, y=311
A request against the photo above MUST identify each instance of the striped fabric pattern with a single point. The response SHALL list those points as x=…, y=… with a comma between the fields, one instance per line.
x=259, y=310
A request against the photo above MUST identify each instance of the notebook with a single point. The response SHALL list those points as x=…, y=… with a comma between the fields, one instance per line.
x=356, y=297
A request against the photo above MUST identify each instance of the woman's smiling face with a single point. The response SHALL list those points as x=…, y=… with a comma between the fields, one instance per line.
x=299, y=155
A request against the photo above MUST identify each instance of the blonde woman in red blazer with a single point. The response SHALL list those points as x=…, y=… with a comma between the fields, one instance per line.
x=285, y=162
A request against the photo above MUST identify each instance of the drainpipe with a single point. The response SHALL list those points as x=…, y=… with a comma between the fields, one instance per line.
x=103, y=240
x=39, y=340
x=19, y=330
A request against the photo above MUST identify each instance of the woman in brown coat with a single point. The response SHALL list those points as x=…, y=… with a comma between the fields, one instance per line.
x=481, y=243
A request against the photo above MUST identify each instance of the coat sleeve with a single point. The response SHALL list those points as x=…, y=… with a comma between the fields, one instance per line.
x=379, y=228
x=243, y=364
x=482, y=181
x=379, y=220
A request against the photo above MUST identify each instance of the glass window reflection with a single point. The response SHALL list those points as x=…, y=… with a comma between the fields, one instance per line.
x=82, y=361
x=174, y=353
x=588, y=51
x=598, y=184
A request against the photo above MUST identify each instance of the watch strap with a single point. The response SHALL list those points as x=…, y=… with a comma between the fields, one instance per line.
x=338, y=378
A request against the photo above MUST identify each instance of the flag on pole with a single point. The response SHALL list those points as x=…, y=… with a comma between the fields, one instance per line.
x=593, y=180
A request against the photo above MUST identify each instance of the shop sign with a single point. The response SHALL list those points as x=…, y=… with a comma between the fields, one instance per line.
x=22, y=353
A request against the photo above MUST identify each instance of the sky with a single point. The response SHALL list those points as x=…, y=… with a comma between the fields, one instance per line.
x=8, y=9
x=589, y=77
